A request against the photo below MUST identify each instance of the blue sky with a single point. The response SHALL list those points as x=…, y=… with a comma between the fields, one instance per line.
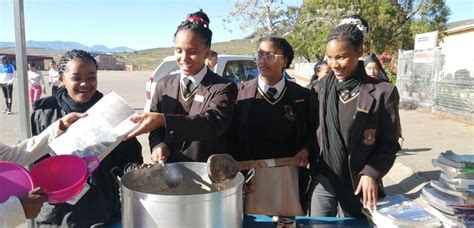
x=138, y=24
x=461, y=9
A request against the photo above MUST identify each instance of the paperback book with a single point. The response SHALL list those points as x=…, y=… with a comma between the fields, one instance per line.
x=455, y=160
x=443, y=202
x=465, y=194
x=457, y=184
x=447, y=219
x=453, y=172
x=398, y=210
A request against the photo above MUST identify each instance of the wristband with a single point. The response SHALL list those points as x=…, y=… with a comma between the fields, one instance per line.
x=270, y=162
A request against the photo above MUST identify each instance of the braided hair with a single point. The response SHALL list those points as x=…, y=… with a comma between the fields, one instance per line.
x=317, y=66
x=351, y=29
x=213, y=53
x=283, y=45
x=197, y=22
x=74, y=55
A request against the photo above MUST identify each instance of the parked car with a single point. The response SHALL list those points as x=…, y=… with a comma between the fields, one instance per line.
x=236, y=68
x=288, y=77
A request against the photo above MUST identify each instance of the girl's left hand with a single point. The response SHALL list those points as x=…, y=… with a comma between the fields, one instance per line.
x=368, y=187
x=248, y=187
x=302, y=156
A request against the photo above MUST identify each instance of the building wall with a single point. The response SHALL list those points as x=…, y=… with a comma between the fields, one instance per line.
x=459, y=51
x=42, y=62
x=105, y=62
x=108, y=62
x=304, y=70
x=131, y=67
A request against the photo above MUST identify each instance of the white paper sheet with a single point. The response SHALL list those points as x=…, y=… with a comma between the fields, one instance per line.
x=104, y=127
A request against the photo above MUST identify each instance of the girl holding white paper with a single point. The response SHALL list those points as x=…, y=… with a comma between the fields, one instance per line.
x=101, y=203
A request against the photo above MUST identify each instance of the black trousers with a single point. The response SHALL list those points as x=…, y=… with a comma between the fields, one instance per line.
x=7, y=91
x=328, y=200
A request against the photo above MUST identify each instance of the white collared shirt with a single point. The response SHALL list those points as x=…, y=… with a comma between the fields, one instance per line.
x=54, y=77
x=279, y=86
x=195, y=79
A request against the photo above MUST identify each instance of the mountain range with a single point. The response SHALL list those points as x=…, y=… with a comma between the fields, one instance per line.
x=61, y=45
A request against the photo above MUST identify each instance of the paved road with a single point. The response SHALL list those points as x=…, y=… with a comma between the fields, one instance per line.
x=425, y=134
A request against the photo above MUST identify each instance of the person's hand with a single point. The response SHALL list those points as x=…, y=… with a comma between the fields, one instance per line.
x=149, y=122
x=368, y=187
x=32, y=202
x=260, y=164
x=248, y=187
x=69, y=119
x=302, y=156
x=160, y=153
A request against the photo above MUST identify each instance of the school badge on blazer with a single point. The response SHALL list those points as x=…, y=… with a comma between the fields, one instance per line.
x=369, y=136
x=290, y=113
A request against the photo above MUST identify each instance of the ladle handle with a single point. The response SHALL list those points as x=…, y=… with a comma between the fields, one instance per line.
x=264, y=163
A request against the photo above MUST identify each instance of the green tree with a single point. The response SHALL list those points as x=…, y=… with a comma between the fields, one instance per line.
x=315, y=21
x=259, y=17
x=432, y=17
x=392, y=23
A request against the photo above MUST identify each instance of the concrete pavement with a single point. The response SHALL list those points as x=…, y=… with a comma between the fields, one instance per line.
x=426, y=135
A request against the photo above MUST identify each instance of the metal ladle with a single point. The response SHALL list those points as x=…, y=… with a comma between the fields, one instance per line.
x=221, y=167
x=173, y=174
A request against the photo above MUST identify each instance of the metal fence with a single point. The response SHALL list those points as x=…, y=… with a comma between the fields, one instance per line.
x=423, y=82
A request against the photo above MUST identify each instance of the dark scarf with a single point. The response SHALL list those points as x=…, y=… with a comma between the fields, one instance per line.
x=334, y=150
x=69, y=105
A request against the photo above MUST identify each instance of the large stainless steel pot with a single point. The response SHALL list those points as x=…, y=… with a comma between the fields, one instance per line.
x=148, y=202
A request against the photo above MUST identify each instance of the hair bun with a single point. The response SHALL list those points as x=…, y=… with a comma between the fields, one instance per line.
x=197, y=22
x=354, y=21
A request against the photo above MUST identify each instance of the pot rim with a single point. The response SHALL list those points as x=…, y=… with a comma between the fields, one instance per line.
x=191, y=197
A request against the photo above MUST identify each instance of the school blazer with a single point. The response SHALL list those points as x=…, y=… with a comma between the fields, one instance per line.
x=247, y=90
x=374, y=136
x=201, y=132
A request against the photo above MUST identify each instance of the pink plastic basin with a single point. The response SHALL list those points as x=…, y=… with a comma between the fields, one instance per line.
x=14, y=179
x=64, y=176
